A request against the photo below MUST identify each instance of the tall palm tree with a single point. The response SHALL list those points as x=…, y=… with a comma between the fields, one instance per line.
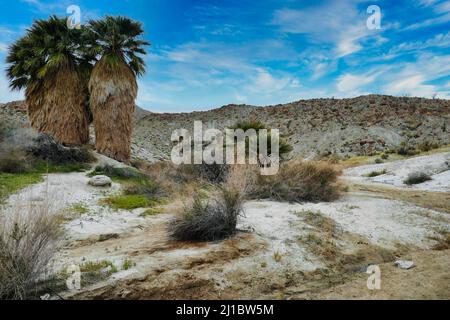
x=47, y=64
x=113, y=87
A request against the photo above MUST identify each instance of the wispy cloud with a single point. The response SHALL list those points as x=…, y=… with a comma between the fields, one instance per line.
x=341, y=24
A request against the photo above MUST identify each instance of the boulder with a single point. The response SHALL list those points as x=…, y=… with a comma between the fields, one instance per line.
x=100, y=181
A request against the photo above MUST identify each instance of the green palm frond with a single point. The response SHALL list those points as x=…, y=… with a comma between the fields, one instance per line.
x=117, y=39
x=48, y=45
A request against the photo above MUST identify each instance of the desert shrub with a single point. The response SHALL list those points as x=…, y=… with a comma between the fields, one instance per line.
x=428, y=146
x=213, y=173
x=417, y=178
x=27, y=243
x=406, y=149
x=6, y=127
x=443, y=240
x=299, y=181
x=146, y=187
x=376, y=173
x=210, y=219
x=25, y=150
x=14, y=161
x=214, y=216
x=284, y=147
x=46, y=148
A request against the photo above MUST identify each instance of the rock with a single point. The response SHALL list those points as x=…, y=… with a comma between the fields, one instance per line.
x=406, y=265
x=100, y=181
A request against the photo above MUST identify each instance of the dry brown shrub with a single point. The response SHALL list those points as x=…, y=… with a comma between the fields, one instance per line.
x=299, y=181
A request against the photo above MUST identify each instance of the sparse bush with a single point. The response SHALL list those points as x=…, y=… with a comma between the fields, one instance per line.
x=443, y=241
x=406, y=149
x=14, y=161
x=27, y=243
x=417, y=178
x=145, y=187
x=210, y=219
x=428, y=146
x=284, y=147
x=213, y=217
x=214, y=173
x=379, y=161
x=376, y=173
x=299, y=181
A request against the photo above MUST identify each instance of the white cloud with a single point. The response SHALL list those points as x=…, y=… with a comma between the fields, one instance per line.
x=341, y=24
x=351, y=83
x=411, y=85
x=266, y=83
x=414, y=78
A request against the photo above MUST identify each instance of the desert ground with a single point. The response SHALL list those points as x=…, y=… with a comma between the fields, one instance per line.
x=282, y=250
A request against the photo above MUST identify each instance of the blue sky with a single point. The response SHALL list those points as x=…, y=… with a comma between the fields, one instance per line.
x=206, y=54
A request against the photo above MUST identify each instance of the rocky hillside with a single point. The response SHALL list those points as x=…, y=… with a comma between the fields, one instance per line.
x=317, y=127
x=346, y=127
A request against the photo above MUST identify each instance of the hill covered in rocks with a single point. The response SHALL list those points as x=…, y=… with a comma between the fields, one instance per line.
x=319, y=127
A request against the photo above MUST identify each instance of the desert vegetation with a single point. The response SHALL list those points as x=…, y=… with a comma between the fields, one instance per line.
x=46, y=62
x=213, y=215
x=25, y=155
x=70, y=74
x=417, y=178
x=28, y=240
x=299, y=181
x=112, y=85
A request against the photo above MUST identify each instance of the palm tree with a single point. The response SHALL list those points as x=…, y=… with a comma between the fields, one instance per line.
x=47, y=64
x=112, y=86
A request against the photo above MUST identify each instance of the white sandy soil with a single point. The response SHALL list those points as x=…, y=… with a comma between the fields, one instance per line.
x=436, y=165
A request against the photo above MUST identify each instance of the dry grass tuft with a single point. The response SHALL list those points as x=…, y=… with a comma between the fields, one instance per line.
x=213, y=216
x=299, y=181
x=27, y=243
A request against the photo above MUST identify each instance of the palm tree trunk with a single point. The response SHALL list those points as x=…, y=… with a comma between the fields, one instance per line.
x=57, y=106
x=113, y=91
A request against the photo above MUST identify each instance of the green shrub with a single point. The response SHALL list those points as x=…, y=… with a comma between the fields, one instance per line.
x=376, y=173
x=284, y=147
x=417, y=178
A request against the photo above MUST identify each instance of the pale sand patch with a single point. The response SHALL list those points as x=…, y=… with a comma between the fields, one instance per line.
x=436, y=165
